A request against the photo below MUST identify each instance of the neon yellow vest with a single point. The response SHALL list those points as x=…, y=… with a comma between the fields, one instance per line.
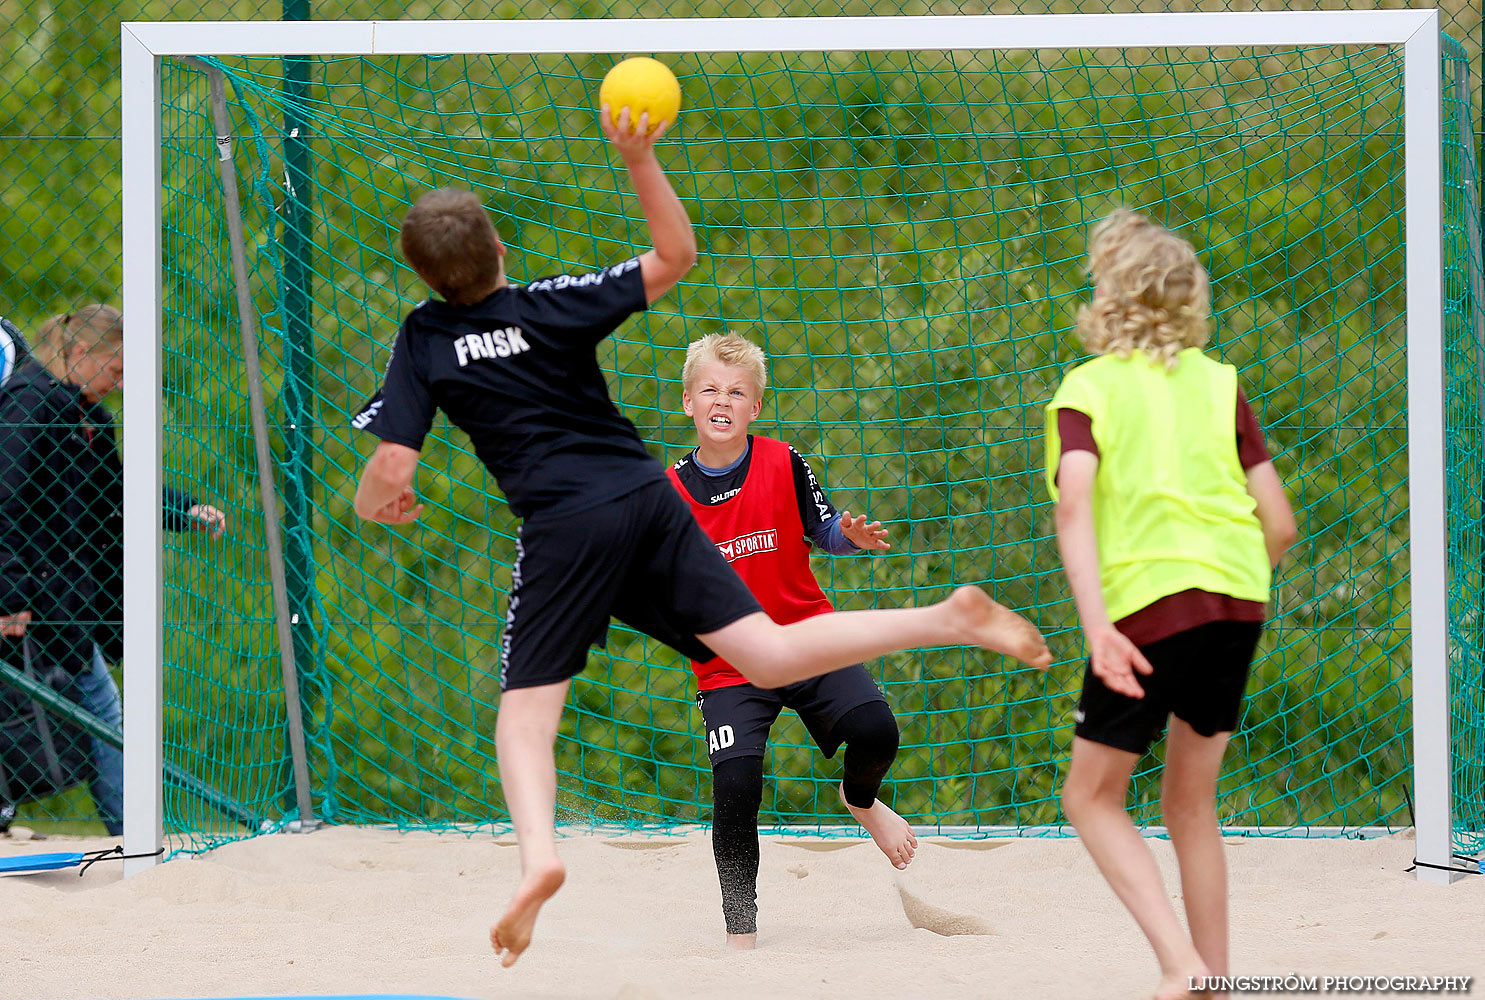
x=1170, y=502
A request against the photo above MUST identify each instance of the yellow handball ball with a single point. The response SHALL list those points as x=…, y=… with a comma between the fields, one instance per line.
x=642, y=85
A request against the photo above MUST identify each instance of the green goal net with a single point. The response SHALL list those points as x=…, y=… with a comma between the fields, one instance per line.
x=904, y=234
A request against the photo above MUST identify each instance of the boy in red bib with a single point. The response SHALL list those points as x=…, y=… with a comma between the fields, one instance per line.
x=760, y=502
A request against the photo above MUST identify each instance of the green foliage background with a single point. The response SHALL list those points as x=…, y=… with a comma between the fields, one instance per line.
x=904, y=234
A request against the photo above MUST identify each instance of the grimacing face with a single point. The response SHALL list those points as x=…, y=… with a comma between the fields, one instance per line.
x=722, y=400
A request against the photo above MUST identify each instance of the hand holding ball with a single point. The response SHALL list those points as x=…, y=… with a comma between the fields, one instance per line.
x=644, y=86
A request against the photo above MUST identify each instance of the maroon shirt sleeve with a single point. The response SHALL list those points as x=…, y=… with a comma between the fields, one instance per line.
x=1252, y=449
x=1075, y=429
x=1075, y=433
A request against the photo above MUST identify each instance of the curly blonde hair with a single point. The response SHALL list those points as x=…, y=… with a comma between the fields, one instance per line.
x=730, y=349
x=1151, y=293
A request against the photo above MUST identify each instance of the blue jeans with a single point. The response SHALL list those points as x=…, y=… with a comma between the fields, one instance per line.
x=94, y=691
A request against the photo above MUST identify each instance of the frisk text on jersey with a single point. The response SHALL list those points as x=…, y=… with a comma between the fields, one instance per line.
x=492, y=344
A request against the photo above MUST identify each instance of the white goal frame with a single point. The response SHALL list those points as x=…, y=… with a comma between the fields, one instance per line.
x=1417, y=31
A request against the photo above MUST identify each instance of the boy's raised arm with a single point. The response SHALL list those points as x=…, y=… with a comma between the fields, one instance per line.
x=674, y=241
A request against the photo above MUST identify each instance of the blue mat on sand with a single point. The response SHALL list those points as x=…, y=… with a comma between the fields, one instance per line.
x=29, y=864
x=40, y=862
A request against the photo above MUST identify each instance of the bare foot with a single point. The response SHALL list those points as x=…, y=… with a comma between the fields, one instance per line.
x=990, y=625
x=1178, y=986
x=742, y=942
x=512, y=935
x=890, y=831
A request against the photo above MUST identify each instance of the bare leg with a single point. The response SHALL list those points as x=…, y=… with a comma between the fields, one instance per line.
x=1188, y=797
x=890, y=831
x=771, y=655
x=742, y=942
x=871, y=740
x=525, y=733
x=1093, y=799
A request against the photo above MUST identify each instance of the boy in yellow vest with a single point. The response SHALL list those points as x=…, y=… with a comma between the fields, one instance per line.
x=1170, y=518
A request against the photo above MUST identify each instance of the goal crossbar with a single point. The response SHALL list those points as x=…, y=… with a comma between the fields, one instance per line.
x=144, y=44
x=778, y=34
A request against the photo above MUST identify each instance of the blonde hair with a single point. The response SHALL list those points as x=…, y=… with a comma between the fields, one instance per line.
x=730, y=349
x=93, y=325
x=1151, y=293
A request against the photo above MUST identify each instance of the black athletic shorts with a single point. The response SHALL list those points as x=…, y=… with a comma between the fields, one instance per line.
x=1199, y=677
x=738, y=718
x=640, y=558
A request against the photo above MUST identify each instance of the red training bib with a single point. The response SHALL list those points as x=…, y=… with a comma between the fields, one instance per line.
x=759, y=533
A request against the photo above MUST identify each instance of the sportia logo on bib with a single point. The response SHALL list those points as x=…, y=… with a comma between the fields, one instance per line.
x=749, y=545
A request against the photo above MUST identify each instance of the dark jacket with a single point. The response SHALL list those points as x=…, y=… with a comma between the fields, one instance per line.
x=61, y=518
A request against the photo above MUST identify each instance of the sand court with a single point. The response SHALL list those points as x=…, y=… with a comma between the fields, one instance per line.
x=354, y=910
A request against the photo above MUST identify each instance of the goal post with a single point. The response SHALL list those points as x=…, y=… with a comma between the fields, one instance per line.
x=1428, y=517
x=1415, y=33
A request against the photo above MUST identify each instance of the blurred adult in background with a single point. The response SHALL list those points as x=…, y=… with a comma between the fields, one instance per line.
x=61, y=553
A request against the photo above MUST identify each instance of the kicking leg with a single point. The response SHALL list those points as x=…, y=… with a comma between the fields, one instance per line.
x=525, y=732
x=870, y=734
x=1188, y=798
x=737, y=792
x=772, y=656
x=1093, y=799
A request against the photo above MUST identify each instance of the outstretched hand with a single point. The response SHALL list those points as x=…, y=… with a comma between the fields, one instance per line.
x=630, y=144
x=1116, y=660
x=404, y=509
x=209, y=519
x=869, y=536
x=14, y=626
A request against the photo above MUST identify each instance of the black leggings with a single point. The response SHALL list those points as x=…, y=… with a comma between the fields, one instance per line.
x=869, y=733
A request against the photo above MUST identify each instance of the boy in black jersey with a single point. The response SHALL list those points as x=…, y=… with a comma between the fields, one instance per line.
x=603, y=532
x=758, y=499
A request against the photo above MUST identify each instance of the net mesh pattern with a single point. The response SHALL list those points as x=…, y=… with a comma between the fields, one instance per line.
x=904, y=234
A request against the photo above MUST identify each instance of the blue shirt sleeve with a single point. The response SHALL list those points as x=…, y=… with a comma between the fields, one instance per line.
x=176, y=504
x=831, y=539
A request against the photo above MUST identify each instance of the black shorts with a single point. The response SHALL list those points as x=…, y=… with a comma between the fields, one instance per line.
x=1200, y=675
x=738, y=718
x=641, y=558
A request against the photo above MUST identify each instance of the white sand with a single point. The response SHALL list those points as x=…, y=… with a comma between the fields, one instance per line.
x=367, y=911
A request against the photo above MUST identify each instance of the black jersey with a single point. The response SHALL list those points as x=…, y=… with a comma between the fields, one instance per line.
x=815, y=508
x=518, y=372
